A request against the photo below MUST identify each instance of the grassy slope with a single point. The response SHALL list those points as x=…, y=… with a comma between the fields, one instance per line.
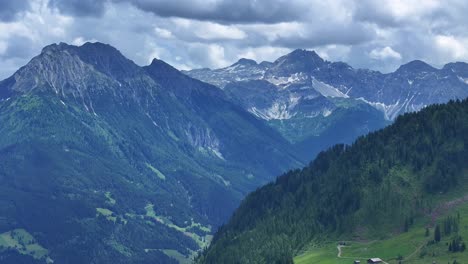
x=411, y=245
x=23, y=242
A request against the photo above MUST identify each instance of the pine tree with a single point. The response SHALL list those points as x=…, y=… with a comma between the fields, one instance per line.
x=437, y=234
x=406, y=228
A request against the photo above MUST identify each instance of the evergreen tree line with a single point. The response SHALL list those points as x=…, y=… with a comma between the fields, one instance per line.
x=377, y=182
x=457, y=245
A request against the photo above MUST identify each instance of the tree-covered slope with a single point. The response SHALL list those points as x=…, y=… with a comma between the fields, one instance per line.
x=105, y=161
x=371, y=189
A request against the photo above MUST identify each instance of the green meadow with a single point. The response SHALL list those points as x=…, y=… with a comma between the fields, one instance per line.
x=413, y=246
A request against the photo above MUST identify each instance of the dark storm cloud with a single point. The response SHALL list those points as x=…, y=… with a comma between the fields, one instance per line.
x=371, y=13
x=9, y=9
x=225, y=11
x=79, y=7
x=215, y=33
x=340, y=35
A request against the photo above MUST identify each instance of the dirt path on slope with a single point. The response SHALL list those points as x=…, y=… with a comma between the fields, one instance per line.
x=339, y=247
x=443, y=208
x=436, y=213
x=339, y=250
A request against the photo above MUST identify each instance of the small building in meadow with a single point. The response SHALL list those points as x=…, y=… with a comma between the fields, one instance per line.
x=357, y=262
x=374, y=260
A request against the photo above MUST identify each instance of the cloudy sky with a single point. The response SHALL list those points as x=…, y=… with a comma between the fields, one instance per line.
x=374, y=34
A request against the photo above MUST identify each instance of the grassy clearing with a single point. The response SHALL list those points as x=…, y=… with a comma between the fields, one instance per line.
x=412, y=246
x=326, y=254
x=156, y=171
x=202, y=241
x=106, y=213
x=182, y=259
x=109, y=198
x=172, y=135
x=120, y=247
x=23, y=242
x=401, y=245
x=439, y=252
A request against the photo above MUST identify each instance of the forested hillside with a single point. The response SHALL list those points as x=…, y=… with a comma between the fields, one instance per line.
x=105, y=161
x=371, y=189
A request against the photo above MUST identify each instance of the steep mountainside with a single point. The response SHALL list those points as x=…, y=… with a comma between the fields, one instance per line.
x=102, y=160
x=305, y=97
x=373, y=189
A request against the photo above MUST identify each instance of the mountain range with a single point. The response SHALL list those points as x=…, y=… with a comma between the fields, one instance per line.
x=315, y=103
x=410, y=88
x=102, y=160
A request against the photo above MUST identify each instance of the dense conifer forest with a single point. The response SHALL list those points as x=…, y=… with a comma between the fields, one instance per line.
x=378, y=184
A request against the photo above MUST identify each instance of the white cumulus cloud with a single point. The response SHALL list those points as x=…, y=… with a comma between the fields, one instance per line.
x=384, y=53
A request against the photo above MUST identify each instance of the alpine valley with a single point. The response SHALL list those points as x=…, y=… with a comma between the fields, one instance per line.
x=105, y=161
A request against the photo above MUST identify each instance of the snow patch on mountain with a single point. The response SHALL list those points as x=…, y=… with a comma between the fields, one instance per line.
x=278, y=111
x=285, y=81
x=217, y=153
x=326, y=112
x=293, y=100
x=465, y=80
x=391, y=111
x=323, y=112
x=327, y=90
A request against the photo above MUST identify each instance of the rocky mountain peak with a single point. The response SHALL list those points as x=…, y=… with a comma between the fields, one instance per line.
x=77, y=72
x=52, y=48
x=106, y=59
x=303, y=55
x=457, y=67
x=103, y=57
x=299, y=60
x=415, y=66
x=161, y=71
x=266, y=64
x=246, y=62
x=158, y=64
